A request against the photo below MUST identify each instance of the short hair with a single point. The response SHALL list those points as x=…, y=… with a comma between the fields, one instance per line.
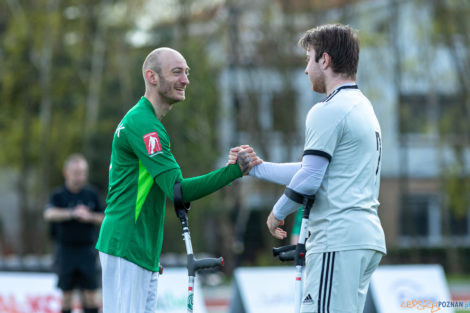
x=339, y=41
x=152, y=62
x=75, y=157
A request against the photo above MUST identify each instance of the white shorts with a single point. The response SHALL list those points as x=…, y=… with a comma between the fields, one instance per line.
x=127, y=287
x=337, y=282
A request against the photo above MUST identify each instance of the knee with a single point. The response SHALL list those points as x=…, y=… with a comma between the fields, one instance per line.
x=67, y=299
x=90, y=298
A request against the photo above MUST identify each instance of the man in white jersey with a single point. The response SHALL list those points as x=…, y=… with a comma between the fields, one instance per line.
x=341, y=167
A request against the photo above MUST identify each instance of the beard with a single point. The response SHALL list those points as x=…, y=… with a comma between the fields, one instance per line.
x=165, y=89
x=318, y=84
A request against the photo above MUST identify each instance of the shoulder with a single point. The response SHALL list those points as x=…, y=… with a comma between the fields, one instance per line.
x=91, y=190
x=58, y=191
x=324, y=114
x=139, y=118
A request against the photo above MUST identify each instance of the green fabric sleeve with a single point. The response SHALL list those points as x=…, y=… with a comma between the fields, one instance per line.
x=297, y=222
x=200, y=186
x=167, y=180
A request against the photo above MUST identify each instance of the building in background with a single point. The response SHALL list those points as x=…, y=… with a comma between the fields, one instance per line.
x=414, y=66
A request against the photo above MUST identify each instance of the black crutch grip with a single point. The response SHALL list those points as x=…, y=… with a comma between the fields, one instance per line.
x=279, y=250
x=287, y=256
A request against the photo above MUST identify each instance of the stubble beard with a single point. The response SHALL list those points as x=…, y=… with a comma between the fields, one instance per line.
x=318, y=85
x=165, y=89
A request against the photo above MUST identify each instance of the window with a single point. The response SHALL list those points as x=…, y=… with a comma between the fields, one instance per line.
x=431, y=113
x=422, y=222
x=284, y=111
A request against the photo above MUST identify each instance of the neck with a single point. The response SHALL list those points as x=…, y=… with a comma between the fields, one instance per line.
x=72, y=189
x=160, y=107
x=336, y=81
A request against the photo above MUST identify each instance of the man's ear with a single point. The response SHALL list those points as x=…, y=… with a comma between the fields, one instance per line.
x=151, y=77
x=325, y=60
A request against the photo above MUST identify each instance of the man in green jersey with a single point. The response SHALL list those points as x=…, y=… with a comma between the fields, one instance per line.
x=142, y=176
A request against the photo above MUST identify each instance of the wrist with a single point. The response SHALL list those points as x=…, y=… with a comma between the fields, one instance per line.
x=236, y=170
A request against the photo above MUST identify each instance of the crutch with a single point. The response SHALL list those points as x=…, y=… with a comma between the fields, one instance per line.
x=193, y=265
x=297, y=252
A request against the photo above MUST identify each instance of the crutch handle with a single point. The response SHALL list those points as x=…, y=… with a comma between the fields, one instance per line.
x=195, y=265
x=287, y=256
x=279, y=250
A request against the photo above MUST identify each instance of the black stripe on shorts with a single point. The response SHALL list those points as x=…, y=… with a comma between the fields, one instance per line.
x=326, y=282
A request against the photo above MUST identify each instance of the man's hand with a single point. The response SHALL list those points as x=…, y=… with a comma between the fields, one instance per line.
x=233, y=155
x=82, y=213
x=245, y=156
x=273, y=225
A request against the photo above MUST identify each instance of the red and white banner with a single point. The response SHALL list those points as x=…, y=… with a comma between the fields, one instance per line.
x=29, y=293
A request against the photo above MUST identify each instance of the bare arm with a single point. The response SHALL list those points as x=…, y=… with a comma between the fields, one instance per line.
x=83, y=214
x=80, y=213
x=55, y=214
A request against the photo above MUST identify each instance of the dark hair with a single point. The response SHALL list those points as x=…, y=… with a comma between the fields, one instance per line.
x=339, y=41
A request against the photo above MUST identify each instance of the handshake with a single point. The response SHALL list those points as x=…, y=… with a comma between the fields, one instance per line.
x=246, y=157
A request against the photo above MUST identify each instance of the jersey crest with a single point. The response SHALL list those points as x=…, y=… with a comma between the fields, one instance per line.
x=152, y=143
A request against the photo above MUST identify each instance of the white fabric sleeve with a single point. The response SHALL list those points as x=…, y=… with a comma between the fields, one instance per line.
x=323, y=129
x=279, y=173
x=306, y=181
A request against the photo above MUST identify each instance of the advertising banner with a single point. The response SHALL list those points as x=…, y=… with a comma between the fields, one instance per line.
x=37, y=293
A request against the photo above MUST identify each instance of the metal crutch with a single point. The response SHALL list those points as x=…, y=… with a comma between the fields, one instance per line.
x=297, y=252
x=193, y=265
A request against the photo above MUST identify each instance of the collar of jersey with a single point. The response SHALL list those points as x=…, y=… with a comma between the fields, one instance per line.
x=343, y=86
x=146, y=103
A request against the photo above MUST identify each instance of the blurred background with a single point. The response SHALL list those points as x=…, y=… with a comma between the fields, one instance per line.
x=70, y=70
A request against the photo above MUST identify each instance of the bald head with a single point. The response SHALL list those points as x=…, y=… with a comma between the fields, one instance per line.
x=156, y=60
x=165, y=74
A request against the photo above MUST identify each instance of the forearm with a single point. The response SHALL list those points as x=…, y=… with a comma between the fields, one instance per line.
x=198, y=187
x=306, y=181
x=97, y=218
x=54, y=214
x=278, y=173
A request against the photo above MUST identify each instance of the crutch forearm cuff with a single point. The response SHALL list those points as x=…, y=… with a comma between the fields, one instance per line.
x=178, y=198
x=295, y=196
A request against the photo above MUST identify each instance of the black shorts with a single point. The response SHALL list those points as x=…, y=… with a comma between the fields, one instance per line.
x=77, y=268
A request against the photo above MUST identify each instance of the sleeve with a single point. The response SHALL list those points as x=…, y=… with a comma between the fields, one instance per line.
x=278, y=173
x=167, y=180
x=200, y=186
x=149, y=141
x=323, y=129
x=306, y=181
x=54, y=201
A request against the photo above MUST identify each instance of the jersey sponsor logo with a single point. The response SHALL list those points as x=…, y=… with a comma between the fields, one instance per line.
x=152, y=143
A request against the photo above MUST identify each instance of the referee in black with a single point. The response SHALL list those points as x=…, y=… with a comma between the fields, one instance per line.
x=76, y=213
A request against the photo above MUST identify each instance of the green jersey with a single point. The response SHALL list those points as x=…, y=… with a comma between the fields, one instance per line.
x=134, y=217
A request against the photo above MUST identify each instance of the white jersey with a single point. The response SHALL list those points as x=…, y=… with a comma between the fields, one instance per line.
x=344, y=129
